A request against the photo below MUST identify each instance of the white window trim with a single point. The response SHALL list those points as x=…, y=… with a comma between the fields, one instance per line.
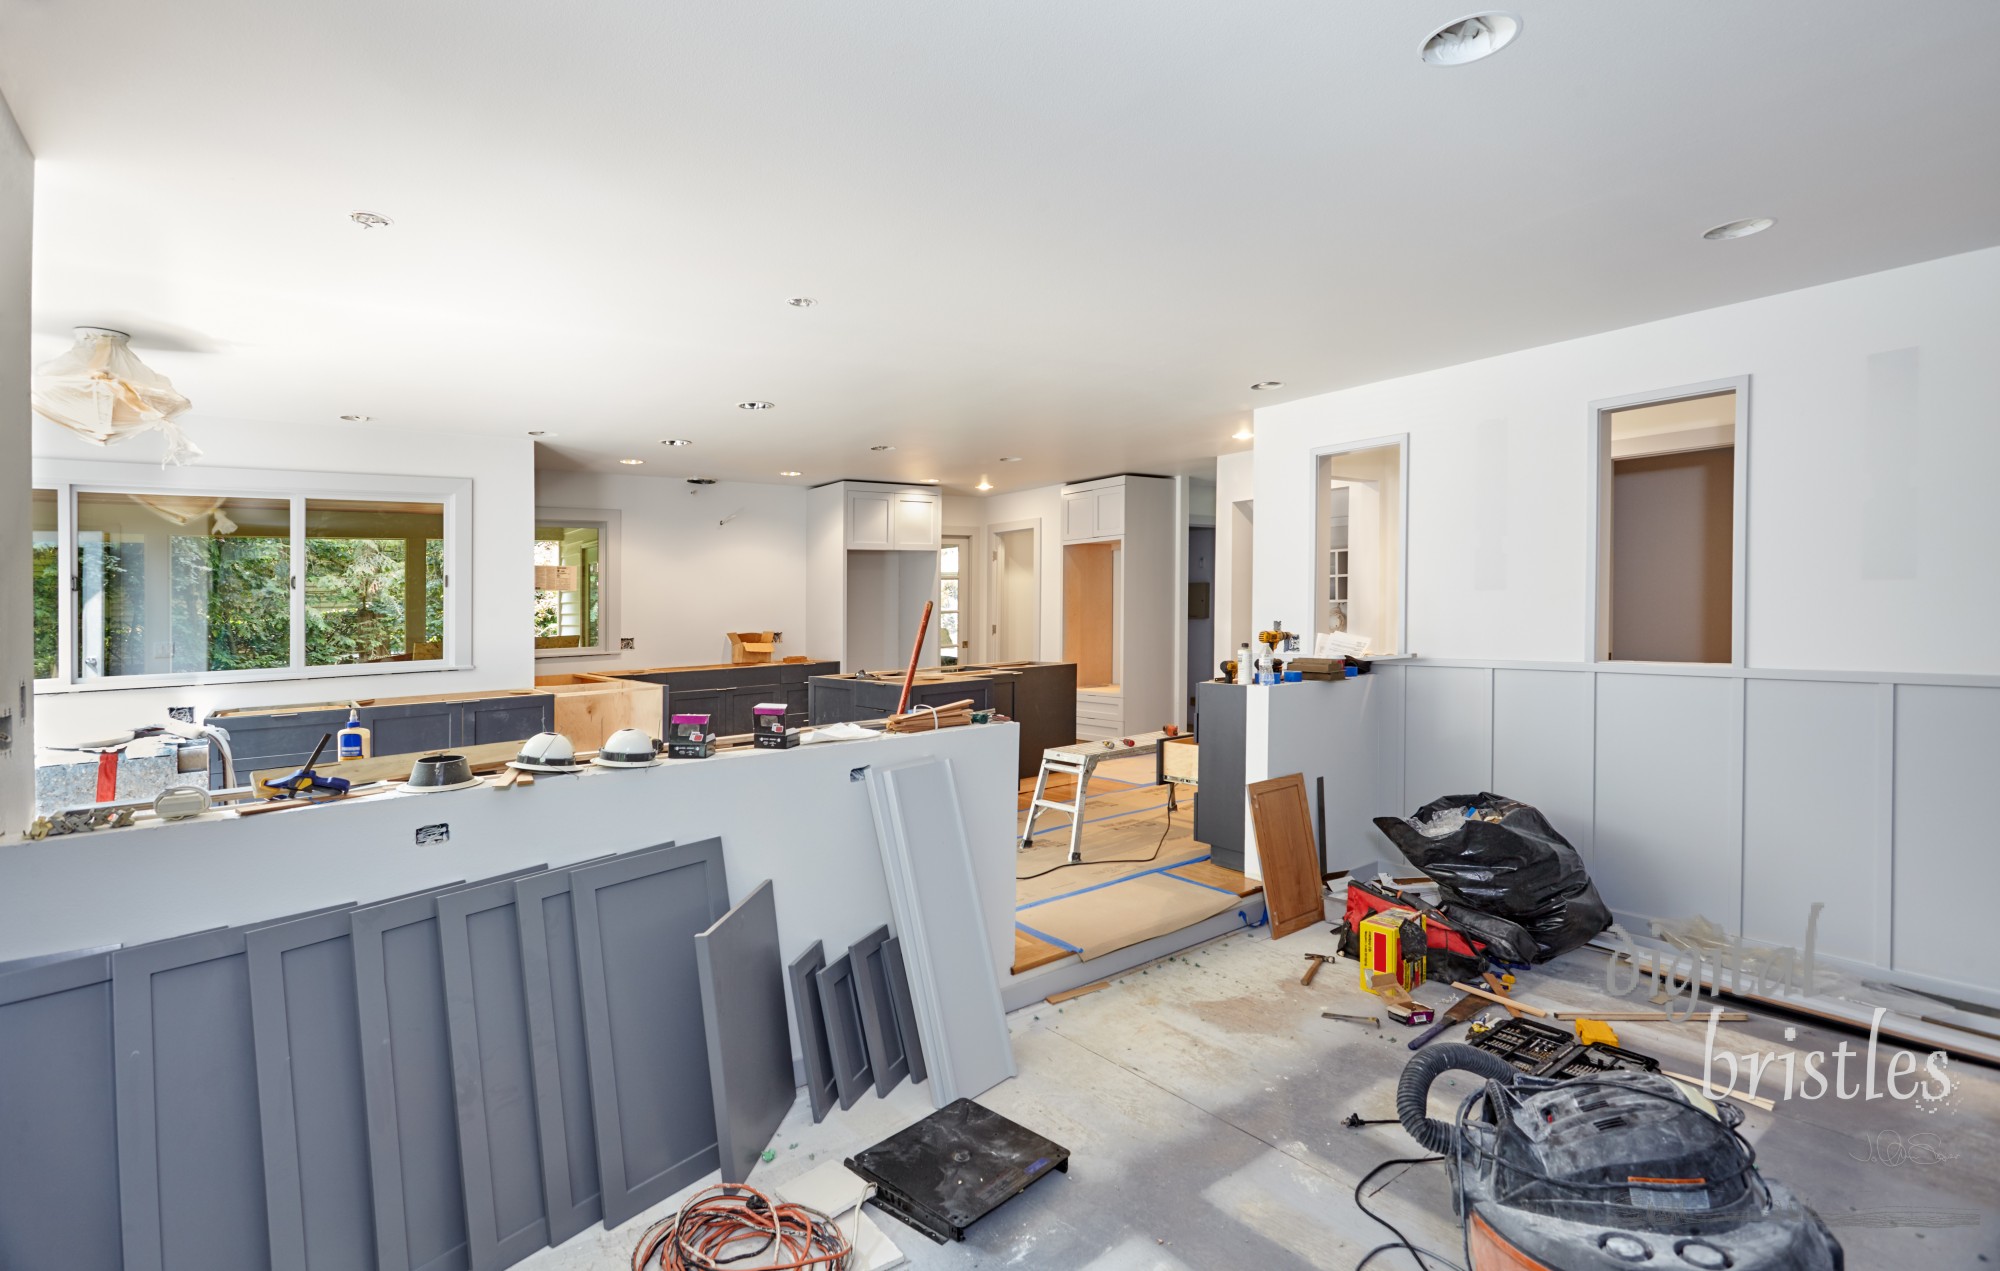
x=70, y=477
x=1597, y=579
x=1321, y=534
x=608, y=523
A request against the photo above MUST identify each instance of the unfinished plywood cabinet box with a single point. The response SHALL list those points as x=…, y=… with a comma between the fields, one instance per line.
x=1120, y=603
x=589, y=708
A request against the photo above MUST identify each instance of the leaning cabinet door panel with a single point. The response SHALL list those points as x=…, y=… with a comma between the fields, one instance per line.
x=1110, y=512
x=916, y=527
x=636, y=919
x=868, y=519
x=1080, y=516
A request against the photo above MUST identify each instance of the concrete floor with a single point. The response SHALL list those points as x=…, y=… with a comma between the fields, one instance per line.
x=1202, y=1100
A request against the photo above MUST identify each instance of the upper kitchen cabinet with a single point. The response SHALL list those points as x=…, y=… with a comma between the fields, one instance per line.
x=885, y=518
x=1094, y=510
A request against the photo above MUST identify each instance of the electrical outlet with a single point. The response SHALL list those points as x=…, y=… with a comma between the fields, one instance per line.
x=625, y=642
x=185, y=714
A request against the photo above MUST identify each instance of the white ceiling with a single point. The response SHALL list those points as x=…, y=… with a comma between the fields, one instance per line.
x=1075, y=232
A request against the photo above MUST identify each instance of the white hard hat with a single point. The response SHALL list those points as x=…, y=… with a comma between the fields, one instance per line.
x=546, y=752
x=628, y=748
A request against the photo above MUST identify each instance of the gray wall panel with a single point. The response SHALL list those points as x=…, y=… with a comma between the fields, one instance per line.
x=1811, y=821
x=636, y=919
x=749, y=1040
x=1946, y=873
x=1669, y=796
x=312, y=1107
x=190, y=1142
x=499, y=1144
x=561, y=1067
x=1542, y=731
x=1448, y=715
x=59, y=1165
x=803, y=976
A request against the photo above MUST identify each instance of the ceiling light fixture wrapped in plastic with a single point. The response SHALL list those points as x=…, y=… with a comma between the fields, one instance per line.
x=101, y=391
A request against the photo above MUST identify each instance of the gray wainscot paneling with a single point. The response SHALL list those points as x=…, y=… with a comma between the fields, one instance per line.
x=1669, y=791
x=1813, y=825
x=1542, y=733
x=1947, y=869
x=59, y=1164
x=636, y=919
x=1448, y=720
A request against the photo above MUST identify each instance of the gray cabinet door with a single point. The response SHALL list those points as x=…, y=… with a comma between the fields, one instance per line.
x=59, y=1162
x=414, y=728
x=492, y=1065
x=309, y=1095
x=483, y=721
x=190, y=1144
x=286, y=740
x=743, y=1017
x=636, y=919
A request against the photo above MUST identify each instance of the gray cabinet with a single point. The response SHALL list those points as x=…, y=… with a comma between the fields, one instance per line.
x=727, y=694
x=843, y=699
x=261, y=739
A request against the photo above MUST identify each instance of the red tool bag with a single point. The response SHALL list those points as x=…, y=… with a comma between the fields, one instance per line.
x=1450, y=954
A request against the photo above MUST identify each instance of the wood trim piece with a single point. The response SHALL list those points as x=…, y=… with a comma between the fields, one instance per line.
x=1287, y=853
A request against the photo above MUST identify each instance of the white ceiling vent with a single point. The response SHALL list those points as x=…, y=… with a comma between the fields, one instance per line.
x=102, y=392
x=1469, y=39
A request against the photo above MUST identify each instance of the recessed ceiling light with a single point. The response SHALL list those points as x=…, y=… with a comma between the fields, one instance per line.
x=1258, y=388
x=1010, y=458
x=677, y=441
x=789, y=472
x=701, y=480
x=755, y=405
x=631, y=463
x=881, y=447
x=801, y=302
x=1739, y=229
x=930, y=480
x=1244, y=434
x=984, y=484
x=370, y=220
x=357, y=419
x=537, y=432
x=1470, y=39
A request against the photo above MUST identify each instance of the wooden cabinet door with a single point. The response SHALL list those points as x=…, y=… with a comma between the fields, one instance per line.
x=1110, y=511
x=1287, y=854
x=1079, y=516
x=869, y=521
x=916, y=526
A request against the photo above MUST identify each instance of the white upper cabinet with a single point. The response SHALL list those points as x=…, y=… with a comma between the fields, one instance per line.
x=889, y=519
x=916, y=526
x=870, y=515
x=1094, y=510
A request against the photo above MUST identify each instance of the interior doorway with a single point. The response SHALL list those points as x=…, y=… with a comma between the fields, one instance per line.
x=1015, y=629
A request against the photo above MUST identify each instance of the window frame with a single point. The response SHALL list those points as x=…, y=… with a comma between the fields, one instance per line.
x=71, y=477
x=1597, y=576
x=1323, y=532
x=606, y=522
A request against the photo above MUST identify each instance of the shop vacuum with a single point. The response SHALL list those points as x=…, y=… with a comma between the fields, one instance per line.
x=1605, y=1172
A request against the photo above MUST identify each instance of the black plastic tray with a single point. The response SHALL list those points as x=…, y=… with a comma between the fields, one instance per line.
x=954, y=1167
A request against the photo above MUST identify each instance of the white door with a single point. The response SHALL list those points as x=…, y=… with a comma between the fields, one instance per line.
x=1016, y=629
x=956, y=645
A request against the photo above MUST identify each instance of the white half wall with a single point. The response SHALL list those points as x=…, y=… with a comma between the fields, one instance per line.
x=501, y=470
x=17, y=706
x=692, y=567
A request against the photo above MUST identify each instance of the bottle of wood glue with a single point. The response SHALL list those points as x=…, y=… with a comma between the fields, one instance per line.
x=355, y=741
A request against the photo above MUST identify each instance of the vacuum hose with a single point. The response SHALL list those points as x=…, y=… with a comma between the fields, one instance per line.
x=1413, y=1092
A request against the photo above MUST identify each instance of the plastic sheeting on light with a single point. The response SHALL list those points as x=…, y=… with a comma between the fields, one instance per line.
x=102, y=392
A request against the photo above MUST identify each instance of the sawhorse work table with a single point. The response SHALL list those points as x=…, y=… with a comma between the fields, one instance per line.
x=1079, y=761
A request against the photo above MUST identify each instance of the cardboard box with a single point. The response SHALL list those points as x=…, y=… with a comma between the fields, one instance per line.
x=769, y=731
x=1393, y=944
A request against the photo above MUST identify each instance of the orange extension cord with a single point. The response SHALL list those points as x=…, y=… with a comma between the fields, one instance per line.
x=736, y=1228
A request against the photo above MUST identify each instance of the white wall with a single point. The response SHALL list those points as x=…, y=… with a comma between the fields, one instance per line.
x=501, y=470
x=1044, y=504
x=17, y=209
x=1870, y=505
x=1831, y=769
x=685, y=579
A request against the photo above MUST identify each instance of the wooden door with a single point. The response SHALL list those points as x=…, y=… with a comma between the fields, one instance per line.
x=1287, y=854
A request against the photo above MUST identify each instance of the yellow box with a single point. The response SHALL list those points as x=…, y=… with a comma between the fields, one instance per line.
x=1393, y=942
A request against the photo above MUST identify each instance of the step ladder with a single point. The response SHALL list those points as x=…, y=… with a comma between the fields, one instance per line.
x=1079, y=761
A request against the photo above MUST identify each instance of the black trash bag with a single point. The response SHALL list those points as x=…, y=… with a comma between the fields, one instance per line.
x=1505, y=941
x=1517, y=868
